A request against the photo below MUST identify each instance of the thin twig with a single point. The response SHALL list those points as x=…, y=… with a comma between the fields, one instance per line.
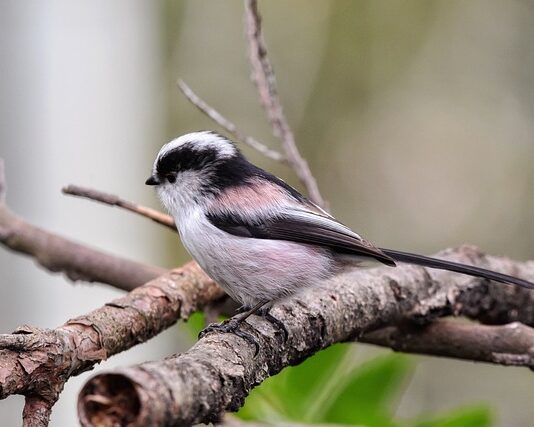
x=265, y=81
x=229, y=126
x=113, y=200
x=77, y=261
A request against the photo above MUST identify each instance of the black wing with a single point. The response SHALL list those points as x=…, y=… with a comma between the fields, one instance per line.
x=302, y=226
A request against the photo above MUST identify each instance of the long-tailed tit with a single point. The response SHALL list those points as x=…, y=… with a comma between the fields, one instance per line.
x=255, y=235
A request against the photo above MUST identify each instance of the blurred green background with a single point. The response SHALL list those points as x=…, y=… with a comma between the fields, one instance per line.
x=415, y=117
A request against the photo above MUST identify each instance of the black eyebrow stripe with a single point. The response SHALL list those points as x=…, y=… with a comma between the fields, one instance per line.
x=185, y=157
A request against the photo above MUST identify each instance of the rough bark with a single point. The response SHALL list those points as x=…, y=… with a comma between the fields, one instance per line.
x=218, y=372
x=36, y=412
x=38, y=362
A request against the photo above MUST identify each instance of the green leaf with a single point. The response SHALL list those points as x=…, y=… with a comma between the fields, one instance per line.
x=290, y=394
x=366, y=396
x=326, y=388
x=478, y=416
x=304, y=385
x=195, y=324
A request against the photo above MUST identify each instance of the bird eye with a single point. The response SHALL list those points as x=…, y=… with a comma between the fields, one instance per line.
x=171, y=178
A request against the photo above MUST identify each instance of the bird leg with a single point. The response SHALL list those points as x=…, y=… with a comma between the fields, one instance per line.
x=232, y=326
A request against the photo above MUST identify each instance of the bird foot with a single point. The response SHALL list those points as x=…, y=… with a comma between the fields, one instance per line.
x=231, y=326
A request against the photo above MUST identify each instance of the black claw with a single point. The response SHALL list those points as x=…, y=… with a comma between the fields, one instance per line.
x=266, y=314
x=279, y=324
x=250, y=339
x=231, y=326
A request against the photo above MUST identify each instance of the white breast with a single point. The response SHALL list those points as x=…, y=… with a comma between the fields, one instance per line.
x=252, y=270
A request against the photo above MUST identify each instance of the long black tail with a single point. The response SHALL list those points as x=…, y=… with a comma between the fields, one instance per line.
x=470, y=270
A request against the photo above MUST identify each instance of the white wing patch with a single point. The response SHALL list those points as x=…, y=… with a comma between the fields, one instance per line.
x=321, y=221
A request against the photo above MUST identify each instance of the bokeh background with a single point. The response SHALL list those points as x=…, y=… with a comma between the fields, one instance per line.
x=415, y=116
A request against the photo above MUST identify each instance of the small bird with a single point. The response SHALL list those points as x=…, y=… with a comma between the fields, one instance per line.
x=255, y=235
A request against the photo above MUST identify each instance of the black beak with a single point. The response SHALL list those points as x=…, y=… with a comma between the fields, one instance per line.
x=152, y=180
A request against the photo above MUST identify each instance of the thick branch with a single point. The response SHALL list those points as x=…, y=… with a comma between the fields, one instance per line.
x=511, y=344
x=229, y=126
x=37, y=362
x=217, y=373
x=265, y=81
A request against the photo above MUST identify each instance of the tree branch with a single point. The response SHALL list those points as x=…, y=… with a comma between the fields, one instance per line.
x=217, y=373
x=265, y=81
x=113, y=200
x=229, y=126
x=37, y=362
x=30, y=349
x=36, y=412
x=77, y=261
x=510, y=345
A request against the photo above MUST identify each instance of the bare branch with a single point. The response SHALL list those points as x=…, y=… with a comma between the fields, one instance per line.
x=511, y=344
x=228, y=125
x=217, y=373
x=77, y=261
x=265, y=81
x=113, y=200
x=38, y=362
